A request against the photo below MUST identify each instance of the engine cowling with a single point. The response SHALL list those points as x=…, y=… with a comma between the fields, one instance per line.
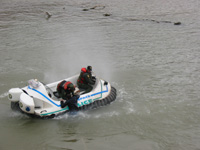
x=26, y=103
x=14, y=94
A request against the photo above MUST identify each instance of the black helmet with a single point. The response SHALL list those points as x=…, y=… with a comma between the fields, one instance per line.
x=89, y=68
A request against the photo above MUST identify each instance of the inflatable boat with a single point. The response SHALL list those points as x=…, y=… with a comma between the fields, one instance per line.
x=41, y=100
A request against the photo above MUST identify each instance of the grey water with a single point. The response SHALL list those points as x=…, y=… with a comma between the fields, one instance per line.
x=134, y=44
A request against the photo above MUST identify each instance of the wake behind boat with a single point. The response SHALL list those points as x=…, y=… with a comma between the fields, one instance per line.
x=40, y=100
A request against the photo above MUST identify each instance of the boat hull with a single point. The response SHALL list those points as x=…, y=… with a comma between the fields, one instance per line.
x=40, y=101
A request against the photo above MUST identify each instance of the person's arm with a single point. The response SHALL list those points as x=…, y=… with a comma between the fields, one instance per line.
x=72, y=100
x=64, y=104
x=88, y=80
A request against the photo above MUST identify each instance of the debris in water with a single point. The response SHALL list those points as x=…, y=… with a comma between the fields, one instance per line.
x=98, y=6
x=107, y=14
x=177, y=23
x=152, y=20
x=85, y=9
x=48, y=15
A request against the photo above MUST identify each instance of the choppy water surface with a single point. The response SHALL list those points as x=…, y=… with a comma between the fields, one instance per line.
x=135, y=45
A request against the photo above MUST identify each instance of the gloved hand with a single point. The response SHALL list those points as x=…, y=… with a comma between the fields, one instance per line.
x=94, y=79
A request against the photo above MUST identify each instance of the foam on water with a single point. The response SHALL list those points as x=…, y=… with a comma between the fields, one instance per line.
x=120, y=106
x=3, y=95
x=18, y=115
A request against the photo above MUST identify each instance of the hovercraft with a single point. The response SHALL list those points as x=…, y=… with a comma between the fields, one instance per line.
x=40, y=100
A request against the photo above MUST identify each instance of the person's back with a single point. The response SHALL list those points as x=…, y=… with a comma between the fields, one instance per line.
x=65, y=89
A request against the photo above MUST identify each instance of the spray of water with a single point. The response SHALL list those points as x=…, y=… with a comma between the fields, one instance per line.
x=3, y=95
x=78, y=48
x=18, y=115
x=119, y=107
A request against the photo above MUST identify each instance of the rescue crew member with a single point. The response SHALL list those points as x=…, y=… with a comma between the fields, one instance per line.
x=71, y=103
x=85, y=79
x=65, y=89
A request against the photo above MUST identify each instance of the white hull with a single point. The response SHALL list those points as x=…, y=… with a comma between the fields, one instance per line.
x=40, y=101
